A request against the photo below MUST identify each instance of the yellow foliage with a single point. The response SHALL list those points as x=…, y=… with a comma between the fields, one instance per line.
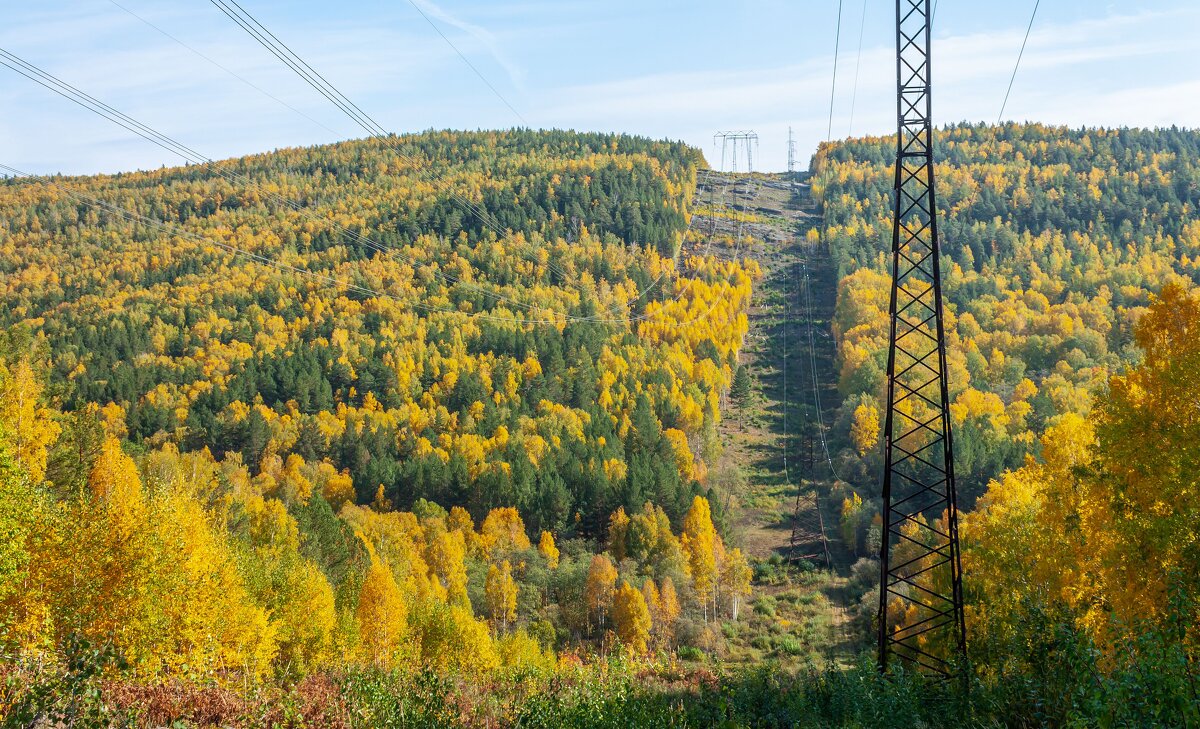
x=735, y=578
x=548, y=549
x=699, y=543
x=503, y=530
x=864, y=430
x=305, y=619
x=501, y=592
x=24, y=420
x=601, y=579
x=618, y=534
x=338, y=489
x=631, y=618
x=683, y=453
x=382, y=616
x=520, y=650
x=445, y=556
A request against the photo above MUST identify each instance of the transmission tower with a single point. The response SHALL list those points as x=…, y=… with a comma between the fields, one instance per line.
x=808, y=541
x=920, y=595
x=791, y=153
x=746, y=141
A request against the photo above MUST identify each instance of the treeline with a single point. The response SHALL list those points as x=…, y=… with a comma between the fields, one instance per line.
x=568, y=365
x=189, y=567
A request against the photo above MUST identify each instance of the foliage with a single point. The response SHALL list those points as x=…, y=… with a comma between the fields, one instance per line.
x=1053, y=243
x=1096, y=528
x=548, y=349
x=501, y=594
x=631, y=618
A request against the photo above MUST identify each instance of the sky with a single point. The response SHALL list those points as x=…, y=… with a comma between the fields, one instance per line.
x=662, y=69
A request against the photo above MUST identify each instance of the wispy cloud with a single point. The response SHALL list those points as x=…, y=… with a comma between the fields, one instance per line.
x=970, y=74
x=486, y=38
x=1131, y=68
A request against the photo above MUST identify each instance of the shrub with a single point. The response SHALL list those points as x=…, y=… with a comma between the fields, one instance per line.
x=765, y=605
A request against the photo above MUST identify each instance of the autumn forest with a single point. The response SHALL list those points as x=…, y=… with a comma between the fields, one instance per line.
x=322, y=437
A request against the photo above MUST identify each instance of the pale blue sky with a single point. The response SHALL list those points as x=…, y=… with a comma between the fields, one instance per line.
x=676, y=70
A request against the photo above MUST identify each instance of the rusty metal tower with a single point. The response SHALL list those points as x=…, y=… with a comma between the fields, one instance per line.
x=920, y=597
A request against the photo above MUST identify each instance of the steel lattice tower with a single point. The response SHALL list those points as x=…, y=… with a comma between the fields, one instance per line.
x=920, y=596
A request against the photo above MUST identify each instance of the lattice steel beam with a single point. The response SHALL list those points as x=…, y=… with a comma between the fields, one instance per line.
x=920, y=593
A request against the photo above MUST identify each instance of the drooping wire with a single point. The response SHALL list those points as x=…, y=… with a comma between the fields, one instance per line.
x=108, y=112
x=437, y=273
x=812, y=355
x=264, y=37
x=467, y=61
x=285, y=54
x=80, y=98
x=184, y=233
x=837, y=45
x=167, y=143
x=266, y=260
x=281, y=51
x=221, y=66
x=1028, y=28
x=826, y=173
x=862, y=24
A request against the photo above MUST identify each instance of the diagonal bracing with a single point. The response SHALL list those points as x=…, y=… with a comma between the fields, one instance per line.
x=920, y=597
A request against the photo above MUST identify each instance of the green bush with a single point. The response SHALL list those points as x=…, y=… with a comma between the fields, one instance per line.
x=765, y=605
x=789, y=645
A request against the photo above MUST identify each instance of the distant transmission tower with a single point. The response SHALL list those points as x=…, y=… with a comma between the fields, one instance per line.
x=791, y=153
x=920, y=596
x=731, y=142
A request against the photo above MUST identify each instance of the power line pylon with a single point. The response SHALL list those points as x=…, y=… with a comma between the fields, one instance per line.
x=791, y=153
x=920, y=596
x=808, y=539
x=747, y=141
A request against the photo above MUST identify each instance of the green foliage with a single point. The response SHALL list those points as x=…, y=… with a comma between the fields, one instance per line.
x=67, y=694
x=742, y=382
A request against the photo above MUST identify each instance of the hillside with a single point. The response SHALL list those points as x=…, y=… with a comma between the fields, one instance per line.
x=1054, y=243
x=319, y=437
x=456, y=357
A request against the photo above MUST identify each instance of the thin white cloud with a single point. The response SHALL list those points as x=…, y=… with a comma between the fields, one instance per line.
x=486, y=38
x=970, y=75
x=1129, y=69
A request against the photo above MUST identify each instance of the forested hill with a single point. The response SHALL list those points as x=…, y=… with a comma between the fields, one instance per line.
x=504, y=302
x=251, y=414
x=1055, y=241
x=1070, y=266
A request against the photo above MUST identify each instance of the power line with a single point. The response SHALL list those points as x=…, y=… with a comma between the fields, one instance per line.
x=266, y=260
x=224, y=68
x=183, y=232
x=246, y=81
x=812, y=356
x=285, y=54
x=467, y=61
x=837, y=43
x=148, y=133
x=862, y=24
x=80, y=98
x=169, y=144
x=826, y=174
x=264, y=37
x=1013, y=78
